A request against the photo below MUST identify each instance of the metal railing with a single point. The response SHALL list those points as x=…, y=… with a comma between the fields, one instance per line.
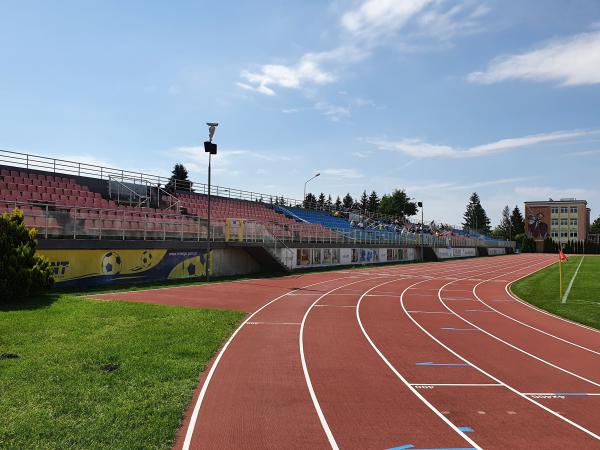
x=54, y=222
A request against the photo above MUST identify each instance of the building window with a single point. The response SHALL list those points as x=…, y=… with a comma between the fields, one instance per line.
x=573, y=209
x=564, y=221
x=563, y=209
x=574, y=234
x=554, y=210
x=554, y=221
x=564, y=234
x=573, y=221
x=555, y=234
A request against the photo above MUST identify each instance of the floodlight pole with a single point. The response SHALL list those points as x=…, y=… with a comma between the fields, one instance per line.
x=208, y=230
x=304, y=196
x=422, y=225
x=211, y=131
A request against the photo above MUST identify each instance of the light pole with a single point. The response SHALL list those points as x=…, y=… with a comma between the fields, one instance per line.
x=211, y=149
x=420, y=205
x=304, y=196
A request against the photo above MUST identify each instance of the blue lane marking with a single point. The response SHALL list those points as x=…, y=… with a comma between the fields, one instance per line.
x=429, y=363
x=404, y=447
x=570, y=393
x=466, y=429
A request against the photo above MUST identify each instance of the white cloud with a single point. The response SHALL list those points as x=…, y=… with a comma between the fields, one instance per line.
x=419, y=149
x=334, y=112
x=366, y=27
x=342, y=173
x=571, y=61
x=309, y=70
x=380, y=17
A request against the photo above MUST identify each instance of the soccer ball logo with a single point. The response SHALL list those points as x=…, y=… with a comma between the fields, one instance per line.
x=111, y=264
x=191, y=269
x=146, y=259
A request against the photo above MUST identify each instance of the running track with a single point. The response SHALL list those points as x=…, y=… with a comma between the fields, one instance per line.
x=423, y=356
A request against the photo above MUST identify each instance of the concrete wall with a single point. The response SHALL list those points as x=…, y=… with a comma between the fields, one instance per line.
x=449, y=253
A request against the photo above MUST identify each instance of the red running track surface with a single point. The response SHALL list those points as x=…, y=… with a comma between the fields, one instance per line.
x=434, y=355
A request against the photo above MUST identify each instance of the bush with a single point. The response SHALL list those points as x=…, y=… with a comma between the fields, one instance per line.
x=527, y=245
x=21, y=270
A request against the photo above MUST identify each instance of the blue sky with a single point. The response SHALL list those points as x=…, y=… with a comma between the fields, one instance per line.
x=438, y=97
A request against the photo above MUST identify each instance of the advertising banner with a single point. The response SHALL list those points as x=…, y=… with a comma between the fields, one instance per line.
x=93, y=267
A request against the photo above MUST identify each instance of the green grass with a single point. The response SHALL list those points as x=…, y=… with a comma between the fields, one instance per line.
x=583, y=304
x=55, y=396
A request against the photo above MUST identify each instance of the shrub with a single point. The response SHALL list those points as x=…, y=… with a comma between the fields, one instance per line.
x=21, y=270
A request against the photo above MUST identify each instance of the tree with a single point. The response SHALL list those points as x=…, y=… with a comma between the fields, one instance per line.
x=179, y=179
x=21, y=270
x=328, y=202
x=517, y=222
x=397, y=204
x=475, y=217
x=373, y=204
x=321, y=201
x=504, y=229
x=310, y=201
x=595, y=228
x=338, y=203
x=348, y=201
x=364, y=202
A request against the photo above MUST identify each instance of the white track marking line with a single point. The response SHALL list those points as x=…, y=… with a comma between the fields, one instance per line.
x=540, y=310
x=404, y=380
x=309, y=385
x=430, y=312
x=190, y=430
x=545, y=408
x=335, y=306
x=565, y=394
x=459, y=384
x=519, y=349
x=566, y=294
x=272, y=323
x=566, y=341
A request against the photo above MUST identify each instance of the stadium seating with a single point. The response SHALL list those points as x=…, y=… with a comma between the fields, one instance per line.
x=319, y=217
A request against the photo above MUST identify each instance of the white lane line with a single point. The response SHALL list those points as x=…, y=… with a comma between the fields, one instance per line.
x=540, y=310
x=564, y=394
x=566, y=294
x=519, y=349
x=272, y=323
x=404, y=380
x=335, y=306
x=566, y=341
x=459, y=384
x=545, y=408
x=430, y=312
x=311, y=390
x=196, y=411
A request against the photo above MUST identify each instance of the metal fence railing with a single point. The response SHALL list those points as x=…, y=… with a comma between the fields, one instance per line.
x=54, y=222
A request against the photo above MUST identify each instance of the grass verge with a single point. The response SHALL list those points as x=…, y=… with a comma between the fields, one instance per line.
x=583, y=303
x=55, y=394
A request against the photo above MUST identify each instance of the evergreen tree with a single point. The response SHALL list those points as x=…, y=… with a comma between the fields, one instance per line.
x=475, y=217
x=348, y=201
x=517, y=222
x=310, y=201
x=179, y=179
x=328, y=202
x=595, y=228
x=397, y=204
x=321, y=201
x=504, y=230
x=373, y=205
x=338, y=203
x=364, y=202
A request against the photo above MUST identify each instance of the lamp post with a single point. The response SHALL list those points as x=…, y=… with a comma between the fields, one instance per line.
x=310, y=179
x=420, y=205
x=211, y=149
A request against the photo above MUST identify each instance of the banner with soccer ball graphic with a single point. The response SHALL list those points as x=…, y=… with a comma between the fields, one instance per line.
x=93, y=267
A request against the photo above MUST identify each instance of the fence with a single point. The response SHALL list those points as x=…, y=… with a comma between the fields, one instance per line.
x=55, y=222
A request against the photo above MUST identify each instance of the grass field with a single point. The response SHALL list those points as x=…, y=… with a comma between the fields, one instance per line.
x=56, y=393
x=583, y=303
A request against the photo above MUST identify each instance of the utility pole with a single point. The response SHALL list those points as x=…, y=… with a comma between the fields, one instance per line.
x=211, y=149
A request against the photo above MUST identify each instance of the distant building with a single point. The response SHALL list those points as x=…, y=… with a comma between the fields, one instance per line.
x=563, y=220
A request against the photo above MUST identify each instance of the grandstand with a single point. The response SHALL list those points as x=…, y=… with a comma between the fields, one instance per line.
x=74, y=204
